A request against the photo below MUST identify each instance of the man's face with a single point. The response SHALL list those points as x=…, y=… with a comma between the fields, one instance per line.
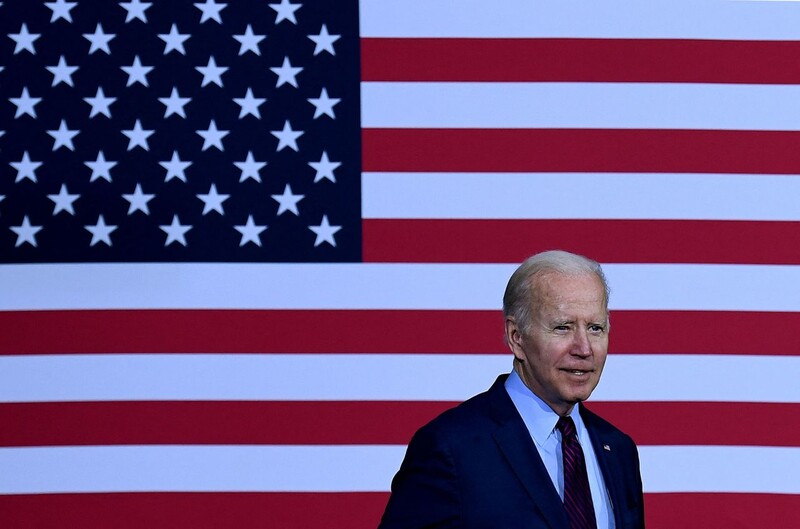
x=562, y=351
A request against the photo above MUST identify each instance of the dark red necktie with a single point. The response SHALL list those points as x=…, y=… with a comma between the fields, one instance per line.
x=577, y=497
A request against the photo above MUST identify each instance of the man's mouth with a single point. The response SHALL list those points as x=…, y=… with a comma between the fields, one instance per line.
x=577, y=372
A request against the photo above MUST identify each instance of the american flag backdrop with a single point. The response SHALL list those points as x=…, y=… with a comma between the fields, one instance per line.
x=249, y=247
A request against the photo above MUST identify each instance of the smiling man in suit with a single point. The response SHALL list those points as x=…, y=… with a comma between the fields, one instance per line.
x=527, y=453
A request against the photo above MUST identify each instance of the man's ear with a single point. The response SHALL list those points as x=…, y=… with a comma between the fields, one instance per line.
x=514, y=338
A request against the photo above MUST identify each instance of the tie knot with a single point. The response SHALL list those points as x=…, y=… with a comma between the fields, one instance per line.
x=566, y=426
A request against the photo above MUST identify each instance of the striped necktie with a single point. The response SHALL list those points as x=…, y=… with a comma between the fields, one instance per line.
x=577, y=497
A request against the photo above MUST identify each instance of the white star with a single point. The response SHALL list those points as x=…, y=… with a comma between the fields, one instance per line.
x=285, y=11
x=136, y=72
x=101, y=232
x=135, y=9
x=286, y=73
x=212, y=137
x=138, y=200
x=287, y=137
x=288, y=201
x=137, y=136
x=324, y=104
x=324, y=168
x=250, y=231
x=63, y=201
x=100, y=168
x=249, y=104
x=61, y=9
x=99, y=40
x=100, y=103
x=211, y=72
x=250, y=168
x=63, y=136
x=62, y=72
x=175, y=168
x=24, y=40
x=248, y=41
x=325, y=232
x=212, y=201
x=175, y=103
x=174, y=40
x=175, y=232
x=25, y=168
x=210, y=10
x=25, y=232
x=324, y=41
x=25, y=103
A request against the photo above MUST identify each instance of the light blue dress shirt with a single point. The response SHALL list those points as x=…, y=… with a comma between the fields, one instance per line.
x=541, y=421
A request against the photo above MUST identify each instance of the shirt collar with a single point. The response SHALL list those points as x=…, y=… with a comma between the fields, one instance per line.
x=538, y=417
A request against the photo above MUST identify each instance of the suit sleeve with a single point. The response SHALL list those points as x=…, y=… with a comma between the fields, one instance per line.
x=632, y=508
x=425, y=492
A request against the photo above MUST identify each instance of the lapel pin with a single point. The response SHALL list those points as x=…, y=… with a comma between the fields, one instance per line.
x=606, y=448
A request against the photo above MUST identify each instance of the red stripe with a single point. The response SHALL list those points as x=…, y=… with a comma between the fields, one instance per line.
x=640, y=241
x=721, y=511
x=709, y=332
x=581, y=150
x=342, y=510
x=214, y=422
x=676, y=423
x=194, y=510
x=337, y=423
x=413, y=331
x=248, y=331
x=606, y=60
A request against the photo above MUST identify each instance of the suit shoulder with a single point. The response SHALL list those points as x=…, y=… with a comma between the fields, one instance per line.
x=471, y=411
x=476, y=417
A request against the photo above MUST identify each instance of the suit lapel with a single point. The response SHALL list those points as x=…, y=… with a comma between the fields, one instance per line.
x=517, y=446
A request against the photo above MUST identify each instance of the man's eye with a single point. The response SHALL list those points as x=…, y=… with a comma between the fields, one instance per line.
x=596, y=328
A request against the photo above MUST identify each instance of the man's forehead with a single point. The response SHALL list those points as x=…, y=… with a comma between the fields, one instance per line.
x=559, y=292
x=557, y=282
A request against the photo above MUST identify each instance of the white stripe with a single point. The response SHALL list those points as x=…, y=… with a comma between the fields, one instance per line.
x=704, y=287
x=331, y=469
x=580, y=105
x=709, y=378
x=674, y=19
x=198, y=469
x=635, y=196
x=364, y=286
x=146, y=377
x=772, y=470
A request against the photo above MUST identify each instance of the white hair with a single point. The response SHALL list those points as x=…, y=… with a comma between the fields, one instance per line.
x=519, y=295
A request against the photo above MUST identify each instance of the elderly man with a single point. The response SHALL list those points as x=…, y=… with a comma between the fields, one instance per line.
x=527, y=453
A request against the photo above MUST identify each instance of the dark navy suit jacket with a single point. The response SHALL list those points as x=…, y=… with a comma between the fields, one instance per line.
x=476, y=466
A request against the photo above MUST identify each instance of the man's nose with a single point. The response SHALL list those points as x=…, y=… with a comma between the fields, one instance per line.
x=582, y=346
